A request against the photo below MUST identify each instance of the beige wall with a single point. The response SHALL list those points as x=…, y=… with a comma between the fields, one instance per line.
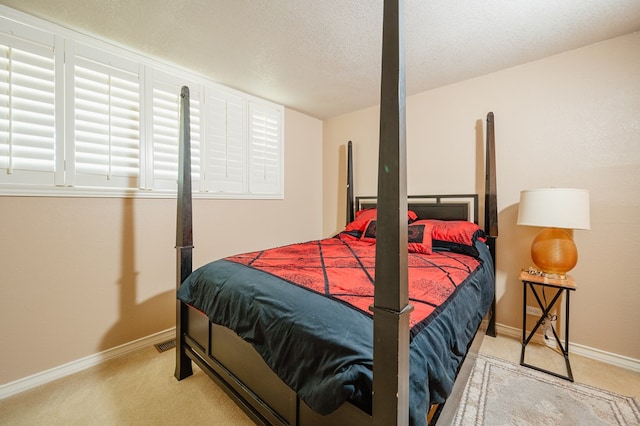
x=82, y=275
x=569, y=120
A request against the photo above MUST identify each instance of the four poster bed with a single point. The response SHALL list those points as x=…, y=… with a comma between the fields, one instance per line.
x=299, y=335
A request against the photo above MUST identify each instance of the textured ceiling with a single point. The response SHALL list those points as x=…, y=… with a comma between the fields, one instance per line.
x=323, y=57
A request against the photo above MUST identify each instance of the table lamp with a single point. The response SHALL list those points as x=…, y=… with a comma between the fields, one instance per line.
x=560, y=211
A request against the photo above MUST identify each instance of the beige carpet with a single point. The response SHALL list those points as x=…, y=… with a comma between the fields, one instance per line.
x=139, y=389
x=135, y=389
x=502, y=393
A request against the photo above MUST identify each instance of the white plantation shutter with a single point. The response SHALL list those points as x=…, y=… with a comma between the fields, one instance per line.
x=105, y=134
x=226, y=155
x=79, y=116
x=27, y=105
x=165, y=131
x=265, y=149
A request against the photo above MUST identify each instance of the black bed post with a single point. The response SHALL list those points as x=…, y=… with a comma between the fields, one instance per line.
x=184, y=235
x=350, y=207
x=491, y=209
x=391, y=309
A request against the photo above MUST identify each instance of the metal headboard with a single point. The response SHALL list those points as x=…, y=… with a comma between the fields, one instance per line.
x=442, y=207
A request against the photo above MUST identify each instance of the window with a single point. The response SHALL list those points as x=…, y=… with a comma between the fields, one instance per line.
x=104, y=115
x=28, y=105
x=265, y=153
x=226, y=156
x=80, y=116
x=165, y=119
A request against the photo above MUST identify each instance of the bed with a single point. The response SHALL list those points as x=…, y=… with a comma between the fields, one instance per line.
x=302, y=345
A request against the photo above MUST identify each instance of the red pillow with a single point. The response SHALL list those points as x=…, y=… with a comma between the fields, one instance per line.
x=364, y=216
x=370, y=231
x=455, y=231
x=362, y=219
x=418, y=236
x=454, y=235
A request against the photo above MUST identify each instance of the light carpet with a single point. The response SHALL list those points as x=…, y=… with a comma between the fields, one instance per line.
x=502, y=393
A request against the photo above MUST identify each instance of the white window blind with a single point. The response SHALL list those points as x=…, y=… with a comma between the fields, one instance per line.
x=165, y=131
x=27, y=105
x=105, y=135
x=79, y=116
x=265, y=149
x=226, y=156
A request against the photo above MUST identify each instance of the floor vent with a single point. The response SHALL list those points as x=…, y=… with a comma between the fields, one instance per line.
x=162, y=347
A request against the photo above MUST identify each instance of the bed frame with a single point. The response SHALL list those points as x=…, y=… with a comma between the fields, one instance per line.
x=233, y=363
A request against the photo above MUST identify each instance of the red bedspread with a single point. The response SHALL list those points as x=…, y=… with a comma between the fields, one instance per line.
x=342, y=268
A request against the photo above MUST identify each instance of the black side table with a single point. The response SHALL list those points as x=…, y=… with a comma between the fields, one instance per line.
x=561, y=285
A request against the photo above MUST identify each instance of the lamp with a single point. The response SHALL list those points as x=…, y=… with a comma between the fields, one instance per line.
x=560, y=211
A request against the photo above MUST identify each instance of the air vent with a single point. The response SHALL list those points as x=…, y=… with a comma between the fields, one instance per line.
x=162, y=347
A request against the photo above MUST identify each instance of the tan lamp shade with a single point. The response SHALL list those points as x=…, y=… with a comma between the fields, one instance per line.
x=559, y=210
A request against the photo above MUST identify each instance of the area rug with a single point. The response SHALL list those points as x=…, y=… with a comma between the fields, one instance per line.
x=502, y=393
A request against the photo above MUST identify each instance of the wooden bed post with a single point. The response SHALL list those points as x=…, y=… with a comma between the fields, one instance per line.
x=184, y=233
x=350, y=208
x=491, y=209
x=391, y=309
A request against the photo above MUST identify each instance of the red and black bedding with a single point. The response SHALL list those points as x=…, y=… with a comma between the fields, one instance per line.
x=305, y=309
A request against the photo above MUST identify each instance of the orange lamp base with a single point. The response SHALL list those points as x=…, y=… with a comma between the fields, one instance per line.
x=554, y=252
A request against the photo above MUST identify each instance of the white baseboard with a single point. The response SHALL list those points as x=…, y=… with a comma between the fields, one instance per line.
x=38, y=379
x=574, y=348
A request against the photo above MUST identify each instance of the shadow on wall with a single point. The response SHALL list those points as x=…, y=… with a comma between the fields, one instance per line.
x=514, y=247
x=135, y=320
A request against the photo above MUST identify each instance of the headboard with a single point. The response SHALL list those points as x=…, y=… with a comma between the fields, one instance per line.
x=442, y=207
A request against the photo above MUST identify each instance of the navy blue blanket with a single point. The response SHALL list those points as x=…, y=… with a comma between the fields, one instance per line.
x=322, y=348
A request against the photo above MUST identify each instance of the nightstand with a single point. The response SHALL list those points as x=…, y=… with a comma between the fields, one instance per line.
x=537, y=282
